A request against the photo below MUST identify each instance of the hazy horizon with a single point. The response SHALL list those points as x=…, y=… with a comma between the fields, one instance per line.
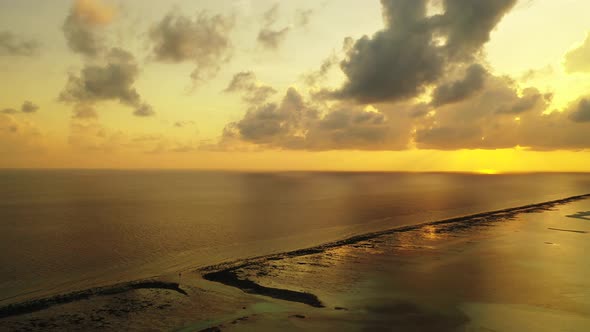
x=294, y=170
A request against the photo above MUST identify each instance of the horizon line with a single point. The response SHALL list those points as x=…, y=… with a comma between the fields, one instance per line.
x=256, y=170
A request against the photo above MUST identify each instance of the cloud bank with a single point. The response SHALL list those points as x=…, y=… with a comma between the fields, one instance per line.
x=419, y=83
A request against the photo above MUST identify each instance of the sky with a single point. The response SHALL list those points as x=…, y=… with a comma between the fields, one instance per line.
x=392, y=85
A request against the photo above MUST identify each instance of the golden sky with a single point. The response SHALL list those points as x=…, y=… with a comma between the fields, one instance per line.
x=400, y=85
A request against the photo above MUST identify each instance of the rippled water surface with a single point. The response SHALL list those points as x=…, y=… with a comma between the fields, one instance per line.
x=62, y=230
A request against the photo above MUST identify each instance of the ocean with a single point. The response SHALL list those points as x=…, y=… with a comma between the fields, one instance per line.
x=63, y=230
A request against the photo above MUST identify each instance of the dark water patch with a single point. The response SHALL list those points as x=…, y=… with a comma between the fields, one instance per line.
x=48, y=302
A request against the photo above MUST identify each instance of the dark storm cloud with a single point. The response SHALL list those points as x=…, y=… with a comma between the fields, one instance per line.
x=112, y=80
x=252, y=91
x=204, y=40
x=456, y=91
x=399, y=61
x=29, y=107
x=578, y=60
x=12, y=45
x=581, y=113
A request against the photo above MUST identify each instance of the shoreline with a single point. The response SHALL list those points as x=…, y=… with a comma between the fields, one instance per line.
x=27, y=307
x=224, y=273
x=495, y=214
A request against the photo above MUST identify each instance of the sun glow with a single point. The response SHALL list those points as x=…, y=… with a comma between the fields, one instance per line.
x=488, y=171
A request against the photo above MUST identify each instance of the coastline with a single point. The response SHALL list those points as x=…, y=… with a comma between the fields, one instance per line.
x=227, y=274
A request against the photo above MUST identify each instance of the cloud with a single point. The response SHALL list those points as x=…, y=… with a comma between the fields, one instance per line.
x=182, y=124
x=144, y=110
x=359, y=129
x=89, y=135
x=29, y=107
x=315, y=77
x=114, y=79
x=271, y=39
x=533, y=74
x=274, y=124
x=499, y=115
x=267, y=36
x=8, y=111
x=581, y=112
x=395, y=63
x=415, y=55
x=204, y=40
x=19, y=136
x=554, y=131
x=303, y=17
x=271, y=15
x=484, y=120
x=82, y=112
x=578, y=59
x=456, y=91
x=467, y=24
x=530, y=99
x=12, y=45
x=502, y=115
x=400, y=61
x=94, y=12
x=83, y=24
x=296, y=124
x=253, y=91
